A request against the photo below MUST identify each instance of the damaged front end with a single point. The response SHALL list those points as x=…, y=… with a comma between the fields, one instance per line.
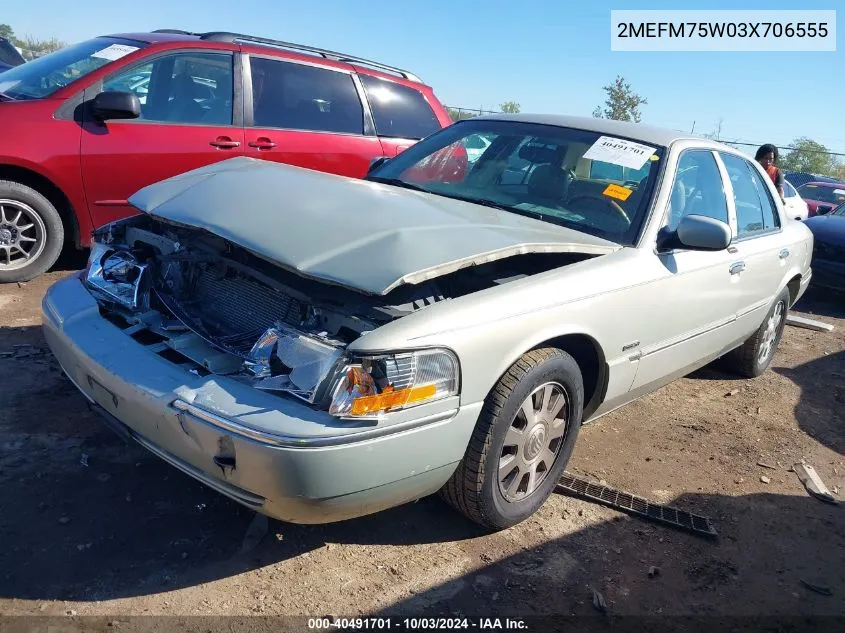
x=213, y=307
x=208, y=305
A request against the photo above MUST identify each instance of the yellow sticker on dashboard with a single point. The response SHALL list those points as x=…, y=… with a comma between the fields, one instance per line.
x=615, y=191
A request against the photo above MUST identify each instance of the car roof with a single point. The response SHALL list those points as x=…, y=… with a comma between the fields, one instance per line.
x=152, y=38
x=360, y=65
x=640, y=131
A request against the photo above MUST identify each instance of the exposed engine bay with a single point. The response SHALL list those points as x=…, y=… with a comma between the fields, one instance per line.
x=204, y=302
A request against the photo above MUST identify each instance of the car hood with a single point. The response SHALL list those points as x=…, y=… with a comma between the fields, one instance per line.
x=358, y=234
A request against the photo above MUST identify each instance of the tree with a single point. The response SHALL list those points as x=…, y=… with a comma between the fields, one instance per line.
x=809, y=156
x=622, y=103
x=30, y=46
x=510, y=107
x=459, y=115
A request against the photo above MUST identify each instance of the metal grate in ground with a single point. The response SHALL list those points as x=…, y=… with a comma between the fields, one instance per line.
x=632, y=504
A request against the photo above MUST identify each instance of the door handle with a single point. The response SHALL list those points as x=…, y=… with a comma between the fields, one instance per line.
x=262, y=142
x=784, y=253
x=737, y=267
x=224, y=142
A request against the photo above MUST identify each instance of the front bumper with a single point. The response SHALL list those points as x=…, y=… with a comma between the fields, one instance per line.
x=273, y=454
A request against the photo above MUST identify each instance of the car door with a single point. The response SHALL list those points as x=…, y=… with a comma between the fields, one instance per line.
x=761, y=257
x=692, y=297
x=306, y=115
x=188, y=120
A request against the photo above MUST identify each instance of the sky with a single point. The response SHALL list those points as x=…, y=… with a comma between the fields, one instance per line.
x=550, y=56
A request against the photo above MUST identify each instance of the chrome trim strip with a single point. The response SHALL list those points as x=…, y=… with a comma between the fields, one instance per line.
x=271, y=439
x=756, y=306
x=240, y=495
x=682, y=339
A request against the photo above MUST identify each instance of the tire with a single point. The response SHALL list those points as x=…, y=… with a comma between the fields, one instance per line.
x=475, y=489
x=753, y=357
x=42, y=240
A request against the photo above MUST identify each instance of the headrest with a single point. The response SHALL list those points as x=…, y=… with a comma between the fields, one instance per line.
x=539, y=154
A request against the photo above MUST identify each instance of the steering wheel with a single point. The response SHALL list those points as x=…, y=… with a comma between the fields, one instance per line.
x=617, y=211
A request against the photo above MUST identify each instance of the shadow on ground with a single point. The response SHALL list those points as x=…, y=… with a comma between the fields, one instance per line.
x=86, y=517
x=71, y=259
x=821, y=409
x=768, y=544
x=822, y=302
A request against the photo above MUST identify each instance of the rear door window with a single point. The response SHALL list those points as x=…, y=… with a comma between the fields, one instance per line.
x=755, y=209
x=399, y=111
x=294, y=96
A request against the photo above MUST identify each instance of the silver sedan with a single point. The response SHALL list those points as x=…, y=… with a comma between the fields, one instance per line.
x=319, y=347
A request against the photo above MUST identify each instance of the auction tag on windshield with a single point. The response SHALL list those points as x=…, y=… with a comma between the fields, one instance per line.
x=619, y=151
x=115, y=51
x=615, y=191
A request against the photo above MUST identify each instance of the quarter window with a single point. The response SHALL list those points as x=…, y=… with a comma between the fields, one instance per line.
x=187, y=88
x=300, y=97
x=755, y=210
x=697, y=189
x=789, y=190
x=399, y=111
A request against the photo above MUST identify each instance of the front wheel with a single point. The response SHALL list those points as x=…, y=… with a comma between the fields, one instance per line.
x=522, y=442
x=753, y=357
x=31, y=233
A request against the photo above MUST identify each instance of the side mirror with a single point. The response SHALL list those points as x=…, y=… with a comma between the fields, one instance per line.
x=702, y=233
x=116, y=105
x=376, y=163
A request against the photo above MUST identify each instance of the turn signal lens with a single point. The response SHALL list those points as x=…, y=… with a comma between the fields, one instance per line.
x=392, y=399
x=377, y=384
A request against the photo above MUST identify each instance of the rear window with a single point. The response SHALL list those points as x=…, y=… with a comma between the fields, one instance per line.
x=399, y=111
x=822, y=193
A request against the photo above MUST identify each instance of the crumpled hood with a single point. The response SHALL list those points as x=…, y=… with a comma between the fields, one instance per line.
x=358, y=234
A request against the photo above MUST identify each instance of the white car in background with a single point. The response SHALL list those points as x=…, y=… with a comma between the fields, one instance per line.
x=796, y=208
x=475, y=146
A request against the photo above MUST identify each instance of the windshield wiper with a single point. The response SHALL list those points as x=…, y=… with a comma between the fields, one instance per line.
x=396, y=182
x=5, y=97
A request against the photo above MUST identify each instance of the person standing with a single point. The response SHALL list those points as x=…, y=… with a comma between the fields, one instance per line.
x=767, y=156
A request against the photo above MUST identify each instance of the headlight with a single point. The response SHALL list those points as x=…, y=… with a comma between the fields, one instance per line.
x=375, y=384
x=116, y=276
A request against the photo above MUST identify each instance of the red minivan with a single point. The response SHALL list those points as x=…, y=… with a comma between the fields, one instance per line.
x=89, y=125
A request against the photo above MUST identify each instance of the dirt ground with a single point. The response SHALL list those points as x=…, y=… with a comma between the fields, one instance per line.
x=90, y=526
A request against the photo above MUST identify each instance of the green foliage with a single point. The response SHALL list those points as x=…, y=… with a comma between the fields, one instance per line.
x=622, y=103
x=31, y=46
x=811, y=157
x=510, y=107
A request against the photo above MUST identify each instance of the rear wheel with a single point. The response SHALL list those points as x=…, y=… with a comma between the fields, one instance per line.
x=753, y=357
x=523, y=439
x=31, y=233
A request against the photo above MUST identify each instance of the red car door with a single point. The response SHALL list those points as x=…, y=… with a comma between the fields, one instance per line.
x=306, y=115
x=189, y=118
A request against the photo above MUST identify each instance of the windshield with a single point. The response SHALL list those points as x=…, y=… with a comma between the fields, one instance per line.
x=43, y=76
x=822, y=193
x=575, y=178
